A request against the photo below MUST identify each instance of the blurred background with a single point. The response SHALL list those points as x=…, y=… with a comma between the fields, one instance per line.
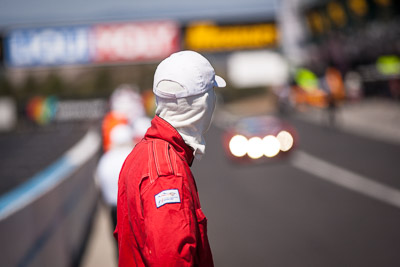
x=301, y=167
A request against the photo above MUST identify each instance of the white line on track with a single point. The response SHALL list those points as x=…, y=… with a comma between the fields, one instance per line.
x=346, y=178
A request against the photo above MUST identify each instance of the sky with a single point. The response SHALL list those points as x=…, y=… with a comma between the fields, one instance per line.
x=15, y=13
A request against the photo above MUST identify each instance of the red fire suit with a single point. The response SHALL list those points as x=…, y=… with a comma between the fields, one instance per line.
x=160, y=221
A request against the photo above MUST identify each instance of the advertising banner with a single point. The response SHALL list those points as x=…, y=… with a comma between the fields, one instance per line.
x=48, y=46
x=1, y=51
x=100, y=43
x=134, y=41
x=247, y=69
x=207, y=36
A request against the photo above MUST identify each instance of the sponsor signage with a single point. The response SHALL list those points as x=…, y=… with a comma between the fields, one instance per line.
x=248, y=69
x=211, y=37
x=135, y=41
x=100, y=43
x=1, y=51
x=48, y=46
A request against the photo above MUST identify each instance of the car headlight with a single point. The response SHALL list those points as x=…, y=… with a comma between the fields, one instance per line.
x=270, y=146
x=285, y=140
x=238, y=145
x=255, y=149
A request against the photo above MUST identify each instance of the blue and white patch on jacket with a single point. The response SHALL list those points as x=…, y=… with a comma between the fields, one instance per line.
x=167, y=197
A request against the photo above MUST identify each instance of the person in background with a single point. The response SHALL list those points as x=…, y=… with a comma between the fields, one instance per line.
x=123, y=127
x=333, y=85
x=110, y=164
x=159, y=220
x=126, y=107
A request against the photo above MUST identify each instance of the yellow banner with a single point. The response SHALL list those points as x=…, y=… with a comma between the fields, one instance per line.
x=211, y=37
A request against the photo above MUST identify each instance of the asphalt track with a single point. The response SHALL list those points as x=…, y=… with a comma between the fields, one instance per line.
x=286, y=214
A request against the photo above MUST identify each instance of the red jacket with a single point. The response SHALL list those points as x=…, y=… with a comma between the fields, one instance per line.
x=160, y=221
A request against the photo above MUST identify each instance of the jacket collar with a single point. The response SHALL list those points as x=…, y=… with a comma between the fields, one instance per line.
x=161, y=129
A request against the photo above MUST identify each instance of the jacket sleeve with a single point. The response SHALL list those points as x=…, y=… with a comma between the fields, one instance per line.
x=170, y=223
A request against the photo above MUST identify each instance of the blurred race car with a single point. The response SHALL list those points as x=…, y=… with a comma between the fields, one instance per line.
x=259, y=139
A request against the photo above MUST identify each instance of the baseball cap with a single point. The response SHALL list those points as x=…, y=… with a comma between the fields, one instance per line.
x=190, y=70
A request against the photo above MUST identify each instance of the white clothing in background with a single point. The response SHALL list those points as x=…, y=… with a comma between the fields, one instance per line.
x=108, y=169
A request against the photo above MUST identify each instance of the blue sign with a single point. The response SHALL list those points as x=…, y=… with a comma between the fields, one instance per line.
x=1, y=51
x=48, y=46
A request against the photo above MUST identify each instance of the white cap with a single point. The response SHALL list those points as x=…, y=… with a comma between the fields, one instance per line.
x=190, y=70
x=126, y=100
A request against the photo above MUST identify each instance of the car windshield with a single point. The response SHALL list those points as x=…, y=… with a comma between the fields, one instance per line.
x=258, y=125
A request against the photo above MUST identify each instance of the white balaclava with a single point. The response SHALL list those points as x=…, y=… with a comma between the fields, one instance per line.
x=184, y=88
x=190, y=116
